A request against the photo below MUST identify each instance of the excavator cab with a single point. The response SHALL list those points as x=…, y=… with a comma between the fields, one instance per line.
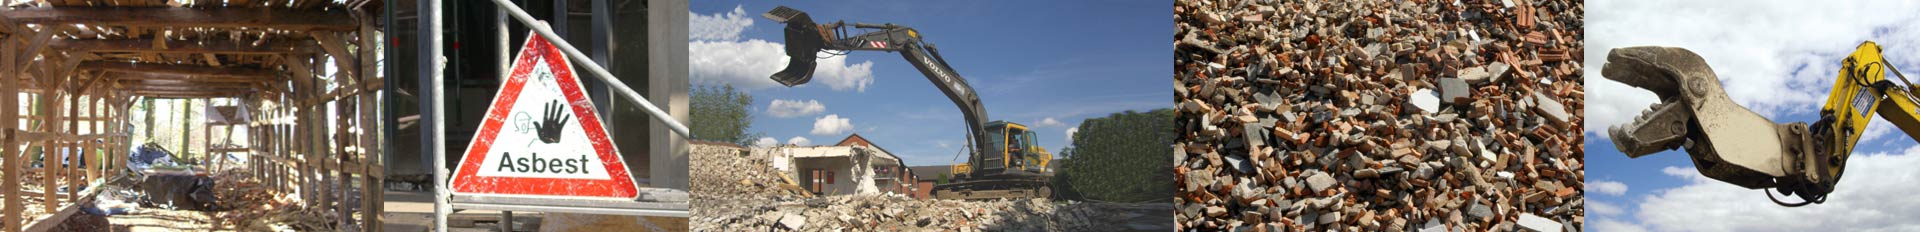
x=805, y=40
x=1022, y=153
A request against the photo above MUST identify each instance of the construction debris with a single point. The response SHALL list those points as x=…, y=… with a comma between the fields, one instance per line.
x=1379, y=116
x=737, y=189
x=249, y=205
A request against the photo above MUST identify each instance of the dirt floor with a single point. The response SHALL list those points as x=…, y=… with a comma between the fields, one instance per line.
x=145, y=220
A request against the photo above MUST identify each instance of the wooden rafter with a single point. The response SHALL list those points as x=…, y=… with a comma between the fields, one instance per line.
x=211, y=46
x=253, y=17
x=195, y=71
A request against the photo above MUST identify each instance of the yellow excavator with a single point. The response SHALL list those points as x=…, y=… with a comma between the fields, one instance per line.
x=1005, y=161
x=1730, y=143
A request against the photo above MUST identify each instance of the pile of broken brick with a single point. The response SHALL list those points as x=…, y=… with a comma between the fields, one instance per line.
x=735, y=190
x=1379, y=116
x=871, y=213
x=727, y=169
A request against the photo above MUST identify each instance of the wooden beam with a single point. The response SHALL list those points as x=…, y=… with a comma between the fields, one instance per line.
x=10, y=152
x=193, y=70
x=35, y=44
x=192, y=82
x=179, y=89
x=336, y=47
x=253, y=17
x=140, y=76
x=206, y=46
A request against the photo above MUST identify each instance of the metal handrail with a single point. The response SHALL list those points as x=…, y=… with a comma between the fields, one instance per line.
x=600, y=72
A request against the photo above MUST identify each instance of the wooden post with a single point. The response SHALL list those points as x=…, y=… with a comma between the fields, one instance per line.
x=72, y=168
x=150, y=120
x=186, y=130
x=344, y=178
x=304, y=127
x=49, y=165
x=373, y=181
x=10, y=154
x=93, y=161
x=208, y=160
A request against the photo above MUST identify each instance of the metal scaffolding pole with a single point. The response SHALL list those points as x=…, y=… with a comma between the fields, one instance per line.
x=436, y=109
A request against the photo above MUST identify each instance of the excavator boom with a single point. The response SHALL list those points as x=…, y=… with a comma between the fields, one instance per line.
x=1730, y=143
x=992, y=157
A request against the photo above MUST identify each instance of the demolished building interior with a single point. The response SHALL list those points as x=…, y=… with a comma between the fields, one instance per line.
x=303, y=71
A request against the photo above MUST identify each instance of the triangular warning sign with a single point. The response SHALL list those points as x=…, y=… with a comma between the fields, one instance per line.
x=542, y=136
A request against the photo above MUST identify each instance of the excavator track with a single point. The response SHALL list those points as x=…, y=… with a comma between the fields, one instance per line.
x=989, y=189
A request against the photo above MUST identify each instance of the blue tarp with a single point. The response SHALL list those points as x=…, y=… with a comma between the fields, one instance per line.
x=149, y=155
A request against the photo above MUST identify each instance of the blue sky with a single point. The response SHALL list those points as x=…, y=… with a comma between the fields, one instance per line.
x=1030, y=61
x=1778, y=58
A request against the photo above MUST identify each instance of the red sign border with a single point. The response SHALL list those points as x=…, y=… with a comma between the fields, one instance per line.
x=621, y=183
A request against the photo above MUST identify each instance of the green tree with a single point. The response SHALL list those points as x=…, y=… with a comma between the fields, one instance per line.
x=1125, y=156
x=722, y=114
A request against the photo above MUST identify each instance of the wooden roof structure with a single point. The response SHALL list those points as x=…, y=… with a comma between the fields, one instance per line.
x=184, y=48
x=306, y=70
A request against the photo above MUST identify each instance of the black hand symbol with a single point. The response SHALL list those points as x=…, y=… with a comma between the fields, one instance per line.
x=551, y=122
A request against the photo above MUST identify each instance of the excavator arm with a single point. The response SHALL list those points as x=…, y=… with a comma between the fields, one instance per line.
x=806, y=40
x=1730, y=143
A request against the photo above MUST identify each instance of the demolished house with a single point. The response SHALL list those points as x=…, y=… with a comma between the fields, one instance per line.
x=854, y=166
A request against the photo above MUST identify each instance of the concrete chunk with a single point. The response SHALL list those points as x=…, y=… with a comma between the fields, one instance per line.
x=1320, y=181
x=1455, y=91
x=1239, y=164
x=1426, y=100
x=1551, y=109
x=1479, y=211
x=793, y=222
x=1531, y=222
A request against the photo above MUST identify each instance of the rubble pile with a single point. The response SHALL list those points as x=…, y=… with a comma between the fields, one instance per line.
x=874, y=213
x=727, y=169
x=736, y=190
x=247, y=204
x=1379, y=116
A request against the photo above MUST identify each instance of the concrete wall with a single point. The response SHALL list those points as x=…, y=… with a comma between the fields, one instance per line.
x=843, y=179
x=853, y=167
x=668, y=88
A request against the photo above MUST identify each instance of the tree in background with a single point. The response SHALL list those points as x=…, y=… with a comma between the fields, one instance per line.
x=1124, y=157
x=722, y=114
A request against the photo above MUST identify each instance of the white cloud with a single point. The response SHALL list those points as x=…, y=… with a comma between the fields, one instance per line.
x=1679, y=171
x=1607, y=187
x=1876, y=196
x=1600, y=208
x=1876, y=129
x=719, y=26
x=1776, y=57
x=1610, y=225
x=783, y=108
x=799, y=141
x=748, y=64
x=831, y=124
x=766, y=142
x=718, y=55
x=1070, y=132
x=1048, y=122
